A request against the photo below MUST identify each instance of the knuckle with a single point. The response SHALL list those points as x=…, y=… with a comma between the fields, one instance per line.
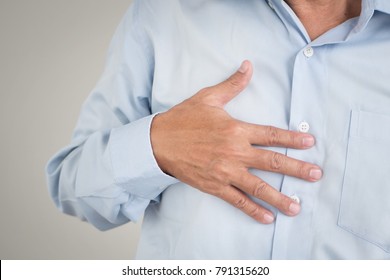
x=219, y=167
x=260, y=189
x=232, y=145
x=240, y=202
x=277, y=161
x=219, y=170
x=234, y=129
x=235, y=82
x=208, y=97
x=255, y=212
x=272, y=135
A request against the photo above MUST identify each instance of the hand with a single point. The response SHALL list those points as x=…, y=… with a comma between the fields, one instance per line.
x=201, y=145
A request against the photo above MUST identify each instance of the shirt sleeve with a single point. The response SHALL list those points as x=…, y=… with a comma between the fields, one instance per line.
x=108, y=174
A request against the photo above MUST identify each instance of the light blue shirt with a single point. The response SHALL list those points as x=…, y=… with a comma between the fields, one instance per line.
x=336, y=87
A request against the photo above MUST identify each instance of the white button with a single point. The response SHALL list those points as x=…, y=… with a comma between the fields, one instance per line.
x=303, y=127
x=295, y=198
x=308, y=52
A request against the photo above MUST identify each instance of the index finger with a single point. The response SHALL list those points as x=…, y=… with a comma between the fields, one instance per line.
x=265, y=135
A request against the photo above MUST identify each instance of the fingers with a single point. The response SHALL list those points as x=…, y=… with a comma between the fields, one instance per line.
x=256, y=187
x=279, y=163
x=220, y=94
x=271, y=136
x=206, y=119
x=241, y=201
x=245, y=183
x=275, y=162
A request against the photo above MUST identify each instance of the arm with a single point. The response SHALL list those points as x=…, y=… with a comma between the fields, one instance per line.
x=108, y=175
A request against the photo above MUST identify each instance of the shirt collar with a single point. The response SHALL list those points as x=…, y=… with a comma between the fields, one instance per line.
x=377, y=5
x=380, y=5
x=368, y=9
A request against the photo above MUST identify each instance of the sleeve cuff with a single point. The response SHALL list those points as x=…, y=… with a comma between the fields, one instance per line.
x=134, y=166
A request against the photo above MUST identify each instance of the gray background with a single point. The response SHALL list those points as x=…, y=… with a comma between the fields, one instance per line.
x=52, y=53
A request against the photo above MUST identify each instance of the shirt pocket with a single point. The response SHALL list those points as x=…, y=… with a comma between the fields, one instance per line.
x=365, y=199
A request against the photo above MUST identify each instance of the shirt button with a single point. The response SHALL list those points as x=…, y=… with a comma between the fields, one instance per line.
x=295, y=198
x=303, y=127
x=308, y=52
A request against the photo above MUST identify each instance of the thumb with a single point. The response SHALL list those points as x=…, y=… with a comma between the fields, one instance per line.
x=236, y=83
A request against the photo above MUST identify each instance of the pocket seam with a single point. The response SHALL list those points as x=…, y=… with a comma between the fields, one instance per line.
x=355, y=135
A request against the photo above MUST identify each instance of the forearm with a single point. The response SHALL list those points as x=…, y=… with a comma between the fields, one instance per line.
x=109, y=178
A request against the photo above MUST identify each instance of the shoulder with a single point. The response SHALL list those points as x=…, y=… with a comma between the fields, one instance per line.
x=166, y=7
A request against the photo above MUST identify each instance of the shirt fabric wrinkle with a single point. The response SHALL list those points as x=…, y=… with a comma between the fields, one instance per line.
x=327, y=86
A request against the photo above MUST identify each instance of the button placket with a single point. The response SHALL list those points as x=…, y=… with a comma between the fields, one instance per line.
x=304, y=118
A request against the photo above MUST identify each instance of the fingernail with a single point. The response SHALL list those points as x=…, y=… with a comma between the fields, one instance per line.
x=308, y=141
x=268, y=218
x=294, y=208
x=244, y=67
x=315, y=174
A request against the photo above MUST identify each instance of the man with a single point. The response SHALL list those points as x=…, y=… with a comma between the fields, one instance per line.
x=286, y=159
